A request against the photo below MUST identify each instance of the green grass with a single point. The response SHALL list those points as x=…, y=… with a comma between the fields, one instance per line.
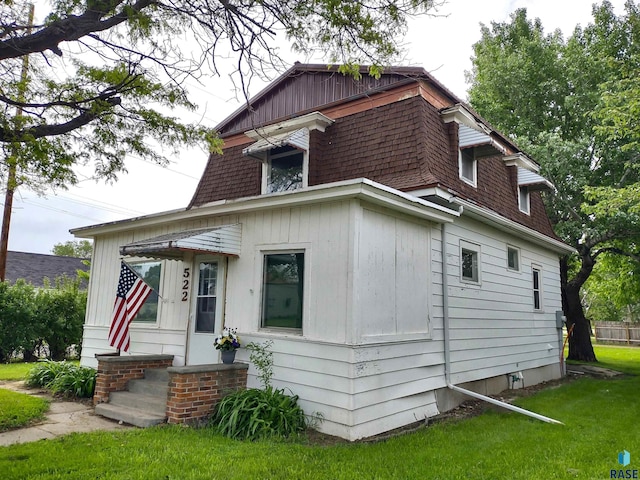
x=14, y=371
x=19, y=409
x=600, y=419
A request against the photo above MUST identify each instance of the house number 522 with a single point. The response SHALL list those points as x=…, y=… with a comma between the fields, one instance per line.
x=185, y=284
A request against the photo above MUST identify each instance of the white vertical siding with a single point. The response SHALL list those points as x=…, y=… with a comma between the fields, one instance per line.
x=393, y=275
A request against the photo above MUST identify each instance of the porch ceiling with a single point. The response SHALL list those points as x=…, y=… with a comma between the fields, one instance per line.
x=224, y=240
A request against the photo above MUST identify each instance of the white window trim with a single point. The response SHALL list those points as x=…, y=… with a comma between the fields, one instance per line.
x=261, y=251
x=538, y=268
x=266, y=167
x=519, y=267
x=474, y=247
x=474, y=182
x=527, y=207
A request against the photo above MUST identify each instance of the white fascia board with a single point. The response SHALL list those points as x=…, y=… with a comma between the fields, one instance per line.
x=361, y=188
x=312, y=121
x=506, y=225
x=521, y=160
x=461, y=115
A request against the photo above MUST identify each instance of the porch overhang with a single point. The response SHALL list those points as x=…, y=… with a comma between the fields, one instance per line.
x=224, y=240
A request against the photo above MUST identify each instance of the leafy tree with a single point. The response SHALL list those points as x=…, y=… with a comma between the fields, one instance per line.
x=567, y=103
x=106, y=72
x=73, y=248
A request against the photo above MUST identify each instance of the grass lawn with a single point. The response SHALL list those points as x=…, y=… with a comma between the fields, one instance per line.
x=600, y=417
x=14, y=371
x=19, y=409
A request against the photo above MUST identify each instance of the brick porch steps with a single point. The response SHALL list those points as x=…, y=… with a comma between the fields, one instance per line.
x=143, y=403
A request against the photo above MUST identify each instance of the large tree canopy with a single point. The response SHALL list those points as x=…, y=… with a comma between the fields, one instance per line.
x=102, y=74
x=573, y=104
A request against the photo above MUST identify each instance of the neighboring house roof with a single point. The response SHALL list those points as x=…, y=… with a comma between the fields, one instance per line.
x=402, y=130
x=34, y=267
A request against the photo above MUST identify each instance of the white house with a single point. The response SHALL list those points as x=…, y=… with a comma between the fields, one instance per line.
x=385, y=238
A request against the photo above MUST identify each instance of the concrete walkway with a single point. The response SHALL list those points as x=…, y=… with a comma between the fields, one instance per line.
x=62, y=418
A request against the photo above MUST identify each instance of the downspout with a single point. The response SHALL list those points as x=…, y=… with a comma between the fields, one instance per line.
x=447, y=347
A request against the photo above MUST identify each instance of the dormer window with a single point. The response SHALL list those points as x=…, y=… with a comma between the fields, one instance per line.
x=283, y=149
x=468, y=166
x=285, y=170
x=524, y=200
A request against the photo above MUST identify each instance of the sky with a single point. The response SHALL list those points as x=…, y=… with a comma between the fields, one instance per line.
x=441, y=44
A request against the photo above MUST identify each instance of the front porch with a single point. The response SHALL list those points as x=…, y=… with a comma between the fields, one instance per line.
x=144, y=390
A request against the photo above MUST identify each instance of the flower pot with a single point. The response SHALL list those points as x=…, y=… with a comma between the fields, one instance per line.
x=228, y=356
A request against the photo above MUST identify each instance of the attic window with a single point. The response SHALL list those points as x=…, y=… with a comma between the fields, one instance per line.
x=284, y=170
x=468, y=166
x=524, y=200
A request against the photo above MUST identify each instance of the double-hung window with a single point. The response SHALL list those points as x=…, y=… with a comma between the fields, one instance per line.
x=536, y=277
x=149, y=272
x=283, y=290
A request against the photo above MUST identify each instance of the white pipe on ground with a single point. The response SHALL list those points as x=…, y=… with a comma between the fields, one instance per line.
x=508, y=406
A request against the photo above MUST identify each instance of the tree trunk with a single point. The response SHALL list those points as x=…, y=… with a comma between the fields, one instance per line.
x=580, y=347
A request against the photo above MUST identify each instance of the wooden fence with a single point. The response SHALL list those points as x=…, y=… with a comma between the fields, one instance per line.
x=618, y=332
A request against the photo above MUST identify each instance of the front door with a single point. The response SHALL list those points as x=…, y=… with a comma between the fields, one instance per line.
x=206, y=311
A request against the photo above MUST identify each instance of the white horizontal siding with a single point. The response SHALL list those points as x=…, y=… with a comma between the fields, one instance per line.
x=143, y=341
x=493, y=326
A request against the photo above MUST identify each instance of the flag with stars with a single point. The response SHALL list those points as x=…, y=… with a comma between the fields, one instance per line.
x=131, y=295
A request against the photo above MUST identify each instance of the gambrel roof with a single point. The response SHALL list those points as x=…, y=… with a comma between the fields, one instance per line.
x=403, y=130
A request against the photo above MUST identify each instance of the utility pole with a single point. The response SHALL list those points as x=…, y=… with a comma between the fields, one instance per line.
x=11, y=163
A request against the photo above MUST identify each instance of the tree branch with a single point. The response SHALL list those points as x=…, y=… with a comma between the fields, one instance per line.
x=41, y=131
x=67, y=29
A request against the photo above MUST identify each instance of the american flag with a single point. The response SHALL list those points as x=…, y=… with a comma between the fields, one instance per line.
x=131, y=295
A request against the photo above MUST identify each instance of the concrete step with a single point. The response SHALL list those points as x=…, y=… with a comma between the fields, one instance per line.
x=132, y=416
x=149, y=387
x=156, y=405
x=157, y=375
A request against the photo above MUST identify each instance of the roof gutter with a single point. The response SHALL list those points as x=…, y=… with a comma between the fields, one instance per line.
x=447, y=346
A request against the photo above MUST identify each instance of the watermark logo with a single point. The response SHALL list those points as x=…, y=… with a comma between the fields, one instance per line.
x=624, y=459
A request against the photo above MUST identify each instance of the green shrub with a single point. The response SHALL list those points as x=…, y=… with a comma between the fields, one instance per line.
x=17, y=325
x=63, y=378
x=253, y=414
x=59, y=316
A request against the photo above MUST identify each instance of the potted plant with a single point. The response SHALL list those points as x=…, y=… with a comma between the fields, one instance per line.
x=227, y=342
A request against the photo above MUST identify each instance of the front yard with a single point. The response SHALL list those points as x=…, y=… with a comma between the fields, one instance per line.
x=600, y=419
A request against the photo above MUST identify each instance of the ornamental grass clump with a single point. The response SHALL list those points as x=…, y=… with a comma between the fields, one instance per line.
x=254, y=414
x=64, y=378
